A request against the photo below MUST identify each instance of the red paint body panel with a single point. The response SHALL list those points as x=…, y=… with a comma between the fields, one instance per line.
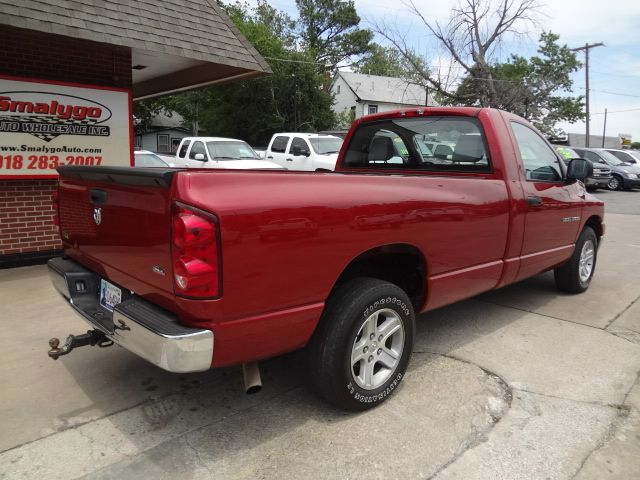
x=286, y=237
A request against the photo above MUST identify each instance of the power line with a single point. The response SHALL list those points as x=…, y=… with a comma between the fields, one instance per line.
x=618, y=111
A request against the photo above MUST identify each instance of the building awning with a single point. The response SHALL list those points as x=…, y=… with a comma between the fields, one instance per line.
x=175, y=46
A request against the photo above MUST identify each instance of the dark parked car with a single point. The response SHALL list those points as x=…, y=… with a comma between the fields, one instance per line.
x=623, y=175
x=601, y=175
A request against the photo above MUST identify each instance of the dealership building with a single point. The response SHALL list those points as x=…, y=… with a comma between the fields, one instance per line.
x=69, y=72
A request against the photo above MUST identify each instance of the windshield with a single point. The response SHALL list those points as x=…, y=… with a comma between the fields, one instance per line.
x=610, y=158
x=149, y=160
x=567, y=153
x=231, y=150
x=325, y=145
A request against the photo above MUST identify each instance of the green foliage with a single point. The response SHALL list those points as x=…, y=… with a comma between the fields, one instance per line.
x=329, y=29
x=386, y=61
x=292, y=99
x=635, y=145
x=533, y=88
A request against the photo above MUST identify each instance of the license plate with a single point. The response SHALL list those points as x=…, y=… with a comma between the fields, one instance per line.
x=110, y=295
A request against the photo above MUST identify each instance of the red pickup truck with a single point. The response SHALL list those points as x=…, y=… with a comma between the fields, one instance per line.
x=194, y=269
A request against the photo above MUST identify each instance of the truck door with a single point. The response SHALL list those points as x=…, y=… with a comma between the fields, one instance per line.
x=554, y=208
x=303, y=159
x=277, y=150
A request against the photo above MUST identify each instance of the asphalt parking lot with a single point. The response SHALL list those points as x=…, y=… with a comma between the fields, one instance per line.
x=521, y=383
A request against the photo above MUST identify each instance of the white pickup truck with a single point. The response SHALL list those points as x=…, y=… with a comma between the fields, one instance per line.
x=218, y=152
x=304, y=151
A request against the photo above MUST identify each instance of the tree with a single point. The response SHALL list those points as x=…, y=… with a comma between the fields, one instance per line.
x=386, y=61
x=531, y=88
x=474, y=30
x=291, y=99
x=329, y=29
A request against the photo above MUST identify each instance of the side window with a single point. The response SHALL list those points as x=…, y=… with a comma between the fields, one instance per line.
x=592, y=157
x=373, y=109
x=540, y=163
x=442, y=144
x=184, y=148
x=198, y=147
x=279, y=144
x=301, y=143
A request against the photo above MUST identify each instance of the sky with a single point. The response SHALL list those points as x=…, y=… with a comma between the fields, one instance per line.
x=614, y=70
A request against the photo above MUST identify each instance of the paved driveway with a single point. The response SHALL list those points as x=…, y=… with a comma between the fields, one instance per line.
x=518, y=383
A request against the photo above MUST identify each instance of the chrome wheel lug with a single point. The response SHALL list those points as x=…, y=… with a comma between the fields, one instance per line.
x=365, y=349
x=379, y=351
x=371, y=358
x=380, y=338
x=372, y=336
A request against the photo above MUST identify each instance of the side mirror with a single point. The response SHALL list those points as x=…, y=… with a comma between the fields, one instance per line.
x=200, y=157
x=579, y=169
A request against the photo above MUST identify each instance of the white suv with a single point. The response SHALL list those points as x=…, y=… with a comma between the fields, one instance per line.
x=217, y=152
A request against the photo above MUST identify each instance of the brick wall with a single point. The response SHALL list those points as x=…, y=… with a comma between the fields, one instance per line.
x=27, y=53
x=26, y=215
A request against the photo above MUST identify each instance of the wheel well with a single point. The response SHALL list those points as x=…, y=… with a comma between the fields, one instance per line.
x=595, y=223
x=400, y=264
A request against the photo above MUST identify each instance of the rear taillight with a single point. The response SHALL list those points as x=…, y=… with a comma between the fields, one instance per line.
x=54, y=204
x=195, y=252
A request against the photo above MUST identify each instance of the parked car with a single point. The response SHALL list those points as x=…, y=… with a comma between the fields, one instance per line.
x=627, y=156
x=267, y=262
x=304, y=151
x=144, y=158
x=218, y=152
x=601, y=173
x=623, y=175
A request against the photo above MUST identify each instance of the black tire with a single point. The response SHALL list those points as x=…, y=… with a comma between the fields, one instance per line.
x=330, y=352
x=616, y=183
x=568, y=278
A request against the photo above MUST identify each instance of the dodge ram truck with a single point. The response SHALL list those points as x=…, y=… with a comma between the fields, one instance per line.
x=196, y=269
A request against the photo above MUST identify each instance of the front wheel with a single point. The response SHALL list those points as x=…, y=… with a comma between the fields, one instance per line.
x=575, y=275
x=361, y=349
x=615, y=183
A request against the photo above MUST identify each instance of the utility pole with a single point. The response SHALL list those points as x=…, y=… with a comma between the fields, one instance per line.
x=604, y=129
x=586, y=49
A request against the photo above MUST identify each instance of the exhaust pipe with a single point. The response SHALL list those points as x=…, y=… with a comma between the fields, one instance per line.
x=251, y=375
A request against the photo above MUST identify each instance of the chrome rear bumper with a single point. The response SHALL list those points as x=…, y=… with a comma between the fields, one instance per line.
x=135, y=324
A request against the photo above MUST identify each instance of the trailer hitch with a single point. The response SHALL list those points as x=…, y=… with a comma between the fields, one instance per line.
x=92, y=337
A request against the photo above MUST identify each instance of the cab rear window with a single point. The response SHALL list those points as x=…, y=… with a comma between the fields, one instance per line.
x=454, y=144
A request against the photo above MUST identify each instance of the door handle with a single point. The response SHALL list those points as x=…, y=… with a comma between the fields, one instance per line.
x=289, y=159
x=270, y=157
x=534, y=201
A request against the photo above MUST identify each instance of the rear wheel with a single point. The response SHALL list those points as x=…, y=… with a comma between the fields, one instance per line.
x=575, y=275
x=361, y=350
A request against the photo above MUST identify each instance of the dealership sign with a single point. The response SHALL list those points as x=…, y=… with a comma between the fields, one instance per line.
x=44, y=125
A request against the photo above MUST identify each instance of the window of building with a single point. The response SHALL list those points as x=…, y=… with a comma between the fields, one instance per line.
x=338, y=89
x=137, y=142
x=175, y=143
x=373, y=109
x=163, y=143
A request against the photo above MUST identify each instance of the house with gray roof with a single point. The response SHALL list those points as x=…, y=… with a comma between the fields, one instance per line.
x=363, y=94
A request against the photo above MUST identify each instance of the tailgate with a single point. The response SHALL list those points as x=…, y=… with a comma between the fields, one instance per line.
x=117, y=222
